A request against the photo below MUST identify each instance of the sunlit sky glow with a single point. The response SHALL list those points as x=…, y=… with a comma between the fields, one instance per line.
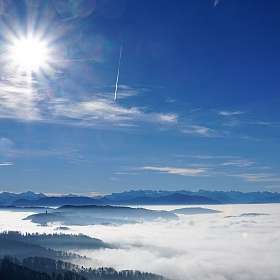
x=29, y=54
x=198, y=95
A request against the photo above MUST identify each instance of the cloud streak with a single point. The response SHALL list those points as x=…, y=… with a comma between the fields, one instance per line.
x=192, y=172
x=259, y=177
x=6, y=164
x=247, y=170
x=23, y=102
x=101, y=110
x=230, y=113
x=239, y=163
x=198, y=130
x=19, y=100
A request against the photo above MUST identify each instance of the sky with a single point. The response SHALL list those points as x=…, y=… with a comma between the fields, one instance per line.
x=197, y=95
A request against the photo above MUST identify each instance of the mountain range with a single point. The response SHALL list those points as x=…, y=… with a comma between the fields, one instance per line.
x=140, y=197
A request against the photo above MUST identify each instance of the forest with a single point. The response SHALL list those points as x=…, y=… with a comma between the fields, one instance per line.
x=34, y=256
x=37, y=268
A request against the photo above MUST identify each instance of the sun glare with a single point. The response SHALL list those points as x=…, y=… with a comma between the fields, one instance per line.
x=29, y=54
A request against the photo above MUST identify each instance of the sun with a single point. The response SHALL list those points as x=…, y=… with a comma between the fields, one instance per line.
x=29, y=54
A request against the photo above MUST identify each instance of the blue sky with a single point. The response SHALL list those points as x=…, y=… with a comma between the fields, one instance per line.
x=198, y=98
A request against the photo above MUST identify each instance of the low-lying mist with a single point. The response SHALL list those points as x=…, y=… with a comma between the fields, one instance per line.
x=215, y=246
x=218, y=246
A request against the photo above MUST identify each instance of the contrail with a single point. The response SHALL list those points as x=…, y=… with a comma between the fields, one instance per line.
x=118, y=74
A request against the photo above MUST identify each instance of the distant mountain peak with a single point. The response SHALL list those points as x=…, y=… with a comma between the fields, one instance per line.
x=139, y=197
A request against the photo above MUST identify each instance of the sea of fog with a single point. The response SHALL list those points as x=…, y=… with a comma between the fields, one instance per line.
x=234, y=244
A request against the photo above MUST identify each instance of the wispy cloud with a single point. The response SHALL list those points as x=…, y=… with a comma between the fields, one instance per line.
x=264, y=123
x=95, y=109
x=259, y=177
x=6, y=164
x=230, y=113
x=125, y=173
x=220, y=166
x=24, y=101
x=239, y=163
x=19, y=100
x=216, y=3
x=125, y=91
x=212, y=157
x=167, y=118
x=176, y=170
x=6, y=145
x=199, y=130
x=170, y=100
x=100, y=110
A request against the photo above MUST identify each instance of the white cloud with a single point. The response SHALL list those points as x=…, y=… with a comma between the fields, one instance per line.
x=6, y=164
x=101, y=110
x=176, y=170
x=258, y=177
x=212, y=157
x=168, y=118
x=200, y=131
x=125, y=91
x=239, y=163
x=22, y=100
x=19, y=100
x=230, y=113
x=97, y=109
